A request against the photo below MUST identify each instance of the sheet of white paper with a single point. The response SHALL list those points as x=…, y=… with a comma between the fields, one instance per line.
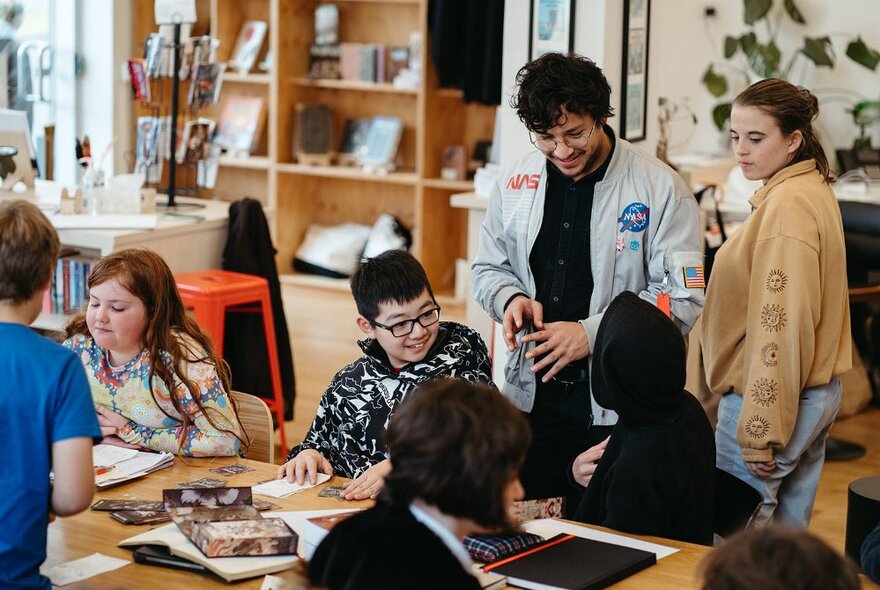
x=272, y=583
x=141, y=462
x=174, y=11
x=279, y=488
x=309, y=533
x=107, y=455
x=83, y=568
x=549, y=527
x=108, y=221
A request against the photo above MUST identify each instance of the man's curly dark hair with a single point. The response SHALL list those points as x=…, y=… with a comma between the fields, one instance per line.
x=555, y=81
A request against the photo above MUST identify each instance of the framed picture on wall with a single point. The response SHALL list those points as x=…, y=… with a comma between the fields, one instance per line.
x=551, y=27
x=634, y=97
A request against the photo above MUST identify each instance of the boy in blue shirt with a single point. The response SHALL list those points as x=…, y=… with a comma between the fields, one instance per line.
x=406, y=345
x=46, y=411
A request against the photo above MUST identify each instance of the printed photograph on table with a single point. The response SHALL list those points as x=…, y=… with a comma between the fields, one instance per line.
x=636, y=19
x=551, y=27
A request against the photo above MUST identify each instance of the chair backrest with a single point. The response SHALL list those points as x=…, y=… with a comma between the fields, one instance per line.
x=735, y=503
x=256, y=419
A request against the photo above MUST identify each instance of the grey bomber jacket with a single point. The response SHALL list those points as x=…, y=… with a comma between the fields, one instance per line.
x=645, y=224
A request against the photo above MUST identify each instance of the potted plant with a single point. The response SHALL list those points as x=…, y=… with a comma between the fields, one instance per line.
x=756, y=54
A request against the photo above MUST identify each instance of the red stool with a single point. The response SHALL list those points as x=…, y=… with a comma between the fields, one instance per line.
x=210, y=293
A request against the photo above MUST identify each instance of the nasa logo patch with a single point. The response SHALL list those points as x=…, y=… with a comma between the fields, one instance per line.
x=634, y=217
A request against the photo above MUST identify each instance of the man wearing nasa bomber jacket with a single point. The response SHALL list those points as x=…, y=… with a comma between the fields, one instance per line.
x=568, y=228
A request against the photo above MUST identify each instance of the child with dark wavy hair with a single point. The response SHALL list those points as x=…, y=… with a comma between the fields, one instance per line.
x=456, y=450
x=777, y=558
x=156, y=381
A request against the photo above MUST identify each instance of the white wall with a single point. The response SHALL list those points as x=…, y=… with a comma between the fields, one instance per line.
x=104, y=96
x=682, y=44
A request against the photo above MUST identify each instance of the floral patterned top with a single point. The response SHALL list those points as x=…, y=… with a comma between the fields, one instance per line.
x=157, y=427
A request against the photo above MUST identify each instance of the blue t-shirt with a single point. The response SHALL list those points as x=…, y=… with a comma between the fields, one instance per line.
x=44, y=398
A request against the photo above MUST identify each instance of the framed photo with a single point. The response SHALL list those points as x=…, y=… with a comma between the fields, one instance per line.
x=634, y=97
x=551, y=27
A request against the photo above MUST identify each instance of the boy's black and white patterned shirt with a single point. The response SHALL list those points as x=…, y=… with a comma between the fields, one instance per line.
x=349, y=428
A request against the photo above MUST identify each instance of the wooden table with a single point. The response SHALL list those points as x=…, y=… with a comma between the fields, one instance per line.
x=91, y=531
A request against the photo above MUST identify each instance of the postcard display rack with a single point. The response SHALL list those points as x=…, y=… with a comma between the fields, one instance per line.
x=300, y=192
x=171, y=139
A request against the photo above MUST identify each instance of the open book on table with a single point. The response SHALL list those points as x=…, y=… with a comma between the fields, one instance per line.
x=228, y=568
x=114, y=465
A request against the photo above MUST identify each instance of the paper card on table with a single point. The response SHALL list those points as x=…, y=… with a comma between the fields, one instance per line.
x=82, y=569
x=228, y=470
x=273, y=583
x=205, y=482
x=263, y=505
x=541, y=508
x=279, y=488
x=116, y=505
x=332, y=492
x=140, y=516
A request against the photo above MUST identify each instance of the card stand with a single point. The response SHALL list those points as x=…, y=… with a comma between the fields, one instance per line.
x=157, y=132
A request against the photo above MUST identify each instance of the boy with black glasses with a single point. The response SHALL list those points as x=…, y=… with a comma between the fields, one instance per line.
x=406, y=345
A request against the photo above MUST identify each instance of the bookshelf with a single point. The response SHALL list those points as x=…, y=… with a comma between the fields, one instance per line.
x=297, y=194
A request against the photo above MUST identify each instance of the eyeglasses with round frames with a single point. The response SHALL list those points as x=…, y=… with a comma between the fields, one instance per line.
x=405, y=328
x=548, y=145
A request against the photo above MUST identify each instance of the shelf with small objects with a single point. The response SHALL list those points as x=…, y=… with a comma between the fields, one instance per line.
x=387, y=128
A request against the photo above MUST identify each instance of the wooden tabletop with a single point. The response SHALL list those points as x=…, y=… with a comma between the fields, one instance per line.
x=92, y=531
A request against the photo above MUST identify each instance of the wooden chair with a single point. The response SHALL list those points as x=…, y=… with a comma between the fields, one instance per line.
x=256, y=419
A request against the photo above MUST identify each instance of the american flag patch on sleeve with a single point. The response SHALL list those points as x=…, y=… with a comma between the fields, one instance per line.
x=693, y=277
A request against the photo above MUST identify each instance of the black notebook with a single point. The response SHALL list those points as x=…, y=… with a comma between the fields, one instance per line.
x=572, y=563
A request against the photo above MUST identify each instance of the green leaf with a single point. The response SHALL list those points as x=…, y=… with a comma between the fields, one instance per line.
x=748, y=42
x=793, y=12
x=714, y=82
x=720, y=115
x=765, y=59
x=730, y=45
x=862, y=54
x=819, y=51
x=755, y=10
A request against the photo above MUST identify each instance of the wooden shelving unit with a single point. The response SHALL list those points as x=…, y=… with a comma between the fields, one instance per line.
x=299, y=195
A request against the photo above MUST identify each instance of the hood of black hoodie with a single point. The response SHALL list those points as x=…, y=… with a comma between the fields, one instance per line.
x=639, y=358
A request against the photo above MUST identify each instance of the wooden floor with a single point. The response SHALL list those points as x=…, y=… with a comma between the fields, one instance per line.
x=323, y=333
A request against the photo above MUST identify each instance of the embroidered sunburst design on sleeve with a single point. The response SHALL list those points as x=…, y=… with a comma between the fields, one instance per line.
x=765, y=392
x=757, y=427
x=776, y=281
x=770, y=354
x=773, y=317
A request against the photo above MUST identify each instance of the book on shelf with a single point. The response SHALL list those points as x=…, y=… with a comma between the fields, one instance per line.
x=240, y=124
x=354, y=138
x=197, y=51
x=383, y=140
x=324, y=62
x=567, y=562
x=397, y=61
x=357, y=61
x=313, y=130
x=248, y=44
x=228, y=568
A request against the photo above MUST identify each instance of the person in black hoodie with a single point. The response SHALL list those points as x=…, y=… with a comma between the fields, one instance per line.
x=656, y=476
